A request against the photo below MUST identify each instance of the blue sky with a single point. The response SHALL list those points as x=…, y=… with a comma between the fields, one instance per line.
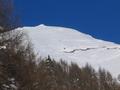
x=100, y=18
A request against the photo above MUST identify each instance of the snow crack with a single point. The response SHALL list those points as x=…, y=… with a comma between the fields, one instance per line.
x=87, y=49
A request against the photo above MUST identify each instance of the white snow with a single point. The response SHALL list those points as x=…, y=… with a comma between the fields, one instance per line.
x=72, y=45
x=2, y=47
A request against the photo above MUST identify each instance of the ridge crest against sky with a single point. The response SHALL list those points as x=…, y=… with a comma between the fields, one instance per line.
x=99, y=18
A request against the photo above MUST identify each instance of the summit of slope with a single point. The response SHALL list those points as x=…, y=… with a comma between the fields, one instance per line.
x=65, y=33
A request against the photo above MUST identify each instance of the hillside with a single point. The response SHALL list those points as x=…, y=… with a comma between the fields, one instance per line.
x=74, y=46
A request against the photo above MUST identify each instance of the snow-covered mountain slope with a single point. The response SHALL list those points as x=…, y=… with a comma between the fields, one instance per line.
x=71, y=45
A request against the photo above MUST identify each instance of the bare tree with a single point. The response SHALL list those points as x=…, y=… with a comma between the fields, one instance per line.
x=8, y=20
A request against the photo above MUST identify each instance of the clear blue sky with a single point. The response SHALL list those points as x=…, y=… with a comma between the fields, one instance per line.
x=100, y=18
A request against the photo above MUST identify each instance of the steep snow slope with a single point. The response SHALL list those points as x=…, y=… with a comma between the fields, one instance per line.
x=71, y=45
